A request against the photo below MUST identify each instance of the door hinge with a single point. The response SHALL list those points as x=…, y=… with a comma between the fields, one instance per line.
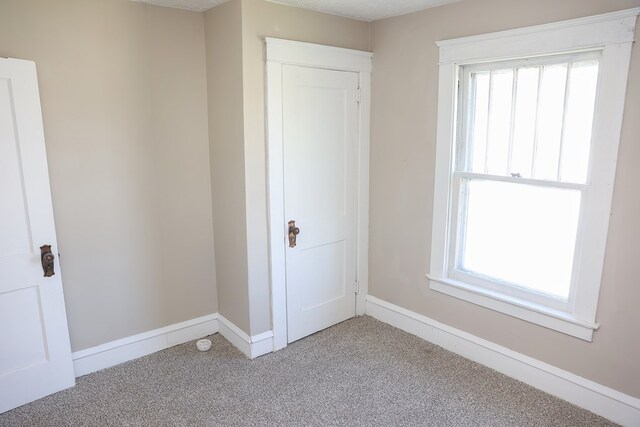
x=358, y=95
x=356, y=287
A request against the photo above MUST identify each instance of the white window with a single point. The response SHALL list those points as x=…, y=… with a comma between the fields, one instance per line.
x=528, y=128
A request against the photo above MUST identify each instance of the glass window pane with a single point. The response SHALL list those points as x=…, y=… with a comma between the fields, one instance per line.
x=525, y=121
x=550, y=112
x=499, y=121
x=521, y=234
x=576, y=141
x=479, y=117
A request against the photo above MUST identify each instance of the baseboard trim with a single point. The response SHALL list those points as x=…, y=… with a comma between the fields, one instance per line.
x=604, y=401
x=251, y=346
x=119, y=351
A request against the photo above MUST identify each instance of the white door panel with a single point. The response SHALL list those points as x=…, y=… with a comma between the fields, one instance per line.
x=35, y=357
x=320, y=137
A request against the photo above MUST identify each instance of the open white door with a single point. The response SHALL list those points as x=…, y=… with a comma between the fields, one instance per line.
x=320, y=124
x=35, y=356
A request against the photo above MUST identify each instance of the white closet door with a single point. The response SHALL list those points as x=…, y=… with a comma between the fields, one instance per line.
x=320, y=132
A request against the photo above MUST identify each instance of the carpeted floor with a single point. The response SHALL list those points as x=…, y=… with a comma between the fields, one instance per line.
x=359, y=373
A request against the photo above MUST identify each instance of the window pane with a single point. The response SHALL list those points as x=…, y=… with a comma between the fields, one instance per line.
x=550, y=112
x=499, y=121
x=576, y=142
x=521, y=234
x=541, y=131
x=479, y=118
x=525, y=121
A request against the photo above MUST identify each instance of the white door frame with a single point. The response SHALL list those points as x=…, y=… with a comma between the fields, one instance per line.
x=285, y=52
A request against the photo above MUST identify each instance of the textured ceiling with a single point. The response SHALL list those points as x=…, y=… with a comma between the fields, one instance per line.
x=364, y=10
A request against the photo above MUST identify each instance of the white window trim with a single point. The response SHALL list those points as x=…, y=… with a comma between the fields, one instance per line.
x=613, y=34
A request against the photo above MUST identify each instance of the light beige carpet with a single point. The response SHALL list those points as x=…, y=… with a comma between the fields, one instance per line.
x=359, y=373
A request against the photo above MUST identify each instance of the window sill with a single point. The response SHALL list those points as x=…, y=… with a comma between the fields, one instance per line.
x=521, y=309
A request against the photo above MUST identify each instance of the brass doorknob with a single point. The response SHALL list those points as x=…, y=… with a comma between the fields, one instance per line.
x=46, y=258
x=293, y=232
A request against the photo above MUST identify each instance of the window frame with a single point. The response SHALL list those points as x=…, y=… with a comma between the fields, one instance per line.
x=611, y=34
x=461, y=162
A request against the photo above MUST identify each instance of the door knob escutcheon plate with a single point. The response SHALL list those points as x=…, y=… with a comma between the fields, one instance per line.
x=46, y=258
x=293, y=232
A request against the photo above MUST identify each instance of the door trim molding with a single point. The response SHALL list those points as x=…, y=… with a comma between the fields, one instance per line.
x=286, y=52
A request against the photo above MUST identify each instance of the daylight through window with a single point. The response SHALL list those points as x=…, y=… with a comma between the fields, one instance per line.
x=522, y=167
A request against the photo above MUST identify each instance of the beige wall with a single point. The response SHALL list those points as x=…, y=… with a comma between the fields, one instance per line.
x=223, y=33
x=134, y=165
x=234, y=33
x=123, y=92
x=262, y=19
x=404, y=111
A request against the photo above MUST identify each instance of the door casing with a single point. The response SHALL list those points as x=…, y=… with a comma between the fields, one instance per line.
x=281, y=52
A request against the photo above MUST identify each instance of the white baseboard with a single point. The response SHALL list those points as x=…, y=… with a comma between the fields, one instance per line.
x=252, y=347
x=604, y=401
x=115, y=352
